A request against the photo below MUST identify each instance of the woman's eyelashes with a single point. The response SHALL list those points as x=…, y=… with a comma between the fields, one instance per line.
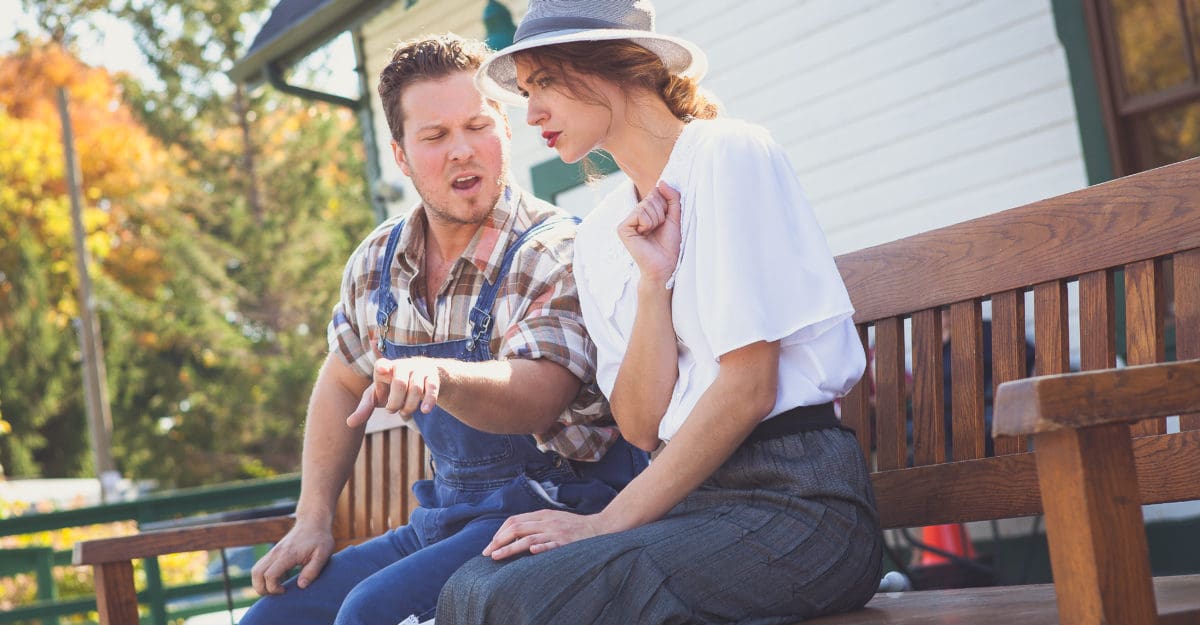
x=541, y=81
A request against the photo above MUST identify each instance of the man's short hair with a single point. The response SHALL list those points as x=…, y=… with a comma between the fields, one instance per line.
x=429, y=57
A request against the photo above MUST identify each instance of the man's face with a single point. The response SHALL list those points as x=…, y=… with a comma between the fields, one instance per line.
x=455, y=148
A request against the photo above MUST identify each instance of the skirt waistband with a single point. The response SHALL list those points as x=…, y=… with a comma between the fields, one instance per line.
x=794, y=421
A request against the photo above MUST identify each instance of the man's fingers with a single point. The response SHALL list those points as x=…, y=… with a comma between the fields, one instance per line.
x=311, y=569
x=366, y=406
x=433, y=386
x=273, y=575
x=257, y=578
x=416, y=393
x=399, y=393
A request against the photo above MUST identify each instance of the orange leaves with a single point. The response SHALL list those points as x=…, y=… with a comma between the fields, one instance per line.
x=123, y=169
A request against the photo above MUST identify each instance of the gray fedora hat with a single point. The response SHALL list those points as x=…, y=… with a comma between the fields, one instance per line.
x=550, y=22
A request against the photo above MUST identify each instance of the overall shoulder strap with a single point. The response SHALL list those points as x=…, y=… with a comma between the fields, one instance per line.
x=481, y=313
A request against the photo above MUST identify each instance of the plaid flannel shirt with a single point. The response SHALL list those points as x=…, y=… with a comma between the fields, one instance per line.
x=536, y=313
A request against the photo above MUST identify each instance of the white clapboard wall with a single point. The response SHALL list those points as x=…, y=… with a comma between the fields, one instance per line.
x=899, y=115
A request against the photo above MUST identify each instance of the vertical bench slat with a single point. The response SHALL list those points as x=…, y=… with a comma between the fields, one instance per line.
x=1144, y=313
x=359, y=519
x=1051, y=336
x=1008, y=353
x=1187, y=317
x=929, y=412
x=966, y=355
x=890, y=394
x=398, y=478
x=856, y=407
x=1098, y=321
x=343, y=527
x=414, y=457
x=380, y=467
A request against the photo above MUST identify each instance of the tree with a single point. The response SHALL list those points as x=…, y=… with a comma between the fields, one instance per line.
x=214, y=288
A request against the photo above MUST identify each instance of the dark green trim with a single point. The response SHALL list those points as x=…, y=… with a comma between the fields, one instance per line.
x=554, y=176
x=1072, y=30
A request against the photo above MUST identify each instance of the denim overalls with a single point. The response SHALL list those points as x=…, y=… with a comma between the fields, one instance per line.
x=479, y=480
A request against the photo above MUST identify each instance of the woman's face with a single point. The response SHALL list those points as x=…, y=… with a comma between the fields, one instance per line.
x=570, y=125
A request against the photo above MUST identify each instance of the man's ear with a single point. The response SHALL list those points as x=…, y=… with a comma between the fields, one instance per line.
x=401, y=158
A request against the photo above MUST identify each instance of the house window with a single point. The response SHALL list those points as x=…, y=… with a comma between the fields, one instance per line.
x=1148, y=54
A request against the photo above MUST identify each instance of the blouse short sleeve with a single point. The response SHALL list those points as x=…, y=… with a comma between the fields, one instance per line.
x=760, y=253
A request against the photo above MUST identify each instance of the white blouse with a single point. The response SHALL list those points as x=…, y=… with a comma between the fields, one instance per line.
x=753, y=266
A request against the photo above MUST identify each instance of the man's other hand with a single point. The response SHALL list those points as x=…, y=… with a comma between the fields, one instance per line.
x=302, y=546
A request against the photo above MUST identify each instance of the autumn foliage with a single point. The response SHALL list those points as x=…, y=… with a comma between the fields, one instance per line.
x=212, y=307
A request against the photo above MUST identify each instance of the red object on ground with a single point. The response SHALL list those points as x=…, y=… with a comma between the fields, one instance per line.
x=951, y=538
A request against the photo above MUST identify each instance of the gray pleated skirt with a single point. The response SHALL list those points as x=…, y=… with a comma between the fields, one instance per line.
x=785, y=530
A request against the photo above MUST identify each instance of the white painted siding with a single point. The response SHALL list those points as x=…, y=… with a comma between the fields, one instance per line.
x=899, y=115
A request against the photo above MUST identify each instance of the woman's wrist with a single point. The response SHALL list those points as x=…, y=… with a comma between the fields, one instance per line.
x=652, y=283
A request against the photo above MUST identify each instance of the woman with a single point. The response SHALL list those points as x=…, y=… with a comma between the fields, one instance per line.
x=722, y=326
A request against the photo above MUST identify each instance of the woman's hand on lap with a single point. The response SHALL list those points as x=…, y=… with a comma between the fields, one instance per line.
x=540, y=531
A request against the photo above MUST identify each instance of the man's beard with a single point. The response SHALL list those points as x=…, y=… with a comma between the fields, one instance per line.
x=444, y=215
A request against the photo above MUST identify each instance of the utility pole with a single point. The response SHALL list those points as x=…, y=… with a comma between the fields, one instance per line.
x=94, y=377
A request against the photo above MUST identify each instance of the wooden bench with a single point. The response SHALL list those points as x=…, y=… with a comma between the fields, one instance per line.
x=377, y=497
x=1093, y=476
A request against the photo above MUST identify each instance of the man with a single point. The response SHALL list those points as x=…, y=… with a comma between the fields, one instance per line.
x=463, y=316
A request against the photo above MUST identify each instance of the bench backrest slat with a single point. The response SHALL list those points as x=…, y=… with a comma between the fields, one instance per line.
x=891, y=401
x=1186, y=267
x=929, y=432
x=1009, y=352
x=1144, y=340
x=1051, y=340
x=856, y=409
x=1098, y=312
x=966, y=375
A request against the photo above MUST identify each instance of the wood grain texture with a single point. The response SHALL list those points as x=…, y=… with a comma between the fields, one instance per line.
x=929, y=401
x=1004, y=605
x=1097, y=321
x=1008, y=354
x=1150, y=214
x=381, y=475
x=397, y=484
x=414, y=460
x=1187, y=318
x=183, y=539
x=343, y=514
x=1006, y=486
x=1051, y=336
x=1089, y=398
x=891, y=394
x=1145, y=341
x=966, y=366
x=360, y=484
x=856, y=406
x=116, y=598
x=1094, y=528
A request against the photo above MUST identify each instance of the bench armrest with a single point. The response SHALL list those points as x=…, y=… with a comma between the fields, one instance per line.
x=1078, y=400
x=196, y=538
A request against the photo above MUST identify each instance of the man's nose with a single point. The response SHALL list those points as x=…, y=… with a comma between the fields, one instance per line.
x=460, y=148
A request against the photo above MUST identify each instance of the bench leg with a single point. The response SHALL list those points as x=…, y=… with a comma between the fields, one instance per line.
x=1098, y=549
x=116, y=598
